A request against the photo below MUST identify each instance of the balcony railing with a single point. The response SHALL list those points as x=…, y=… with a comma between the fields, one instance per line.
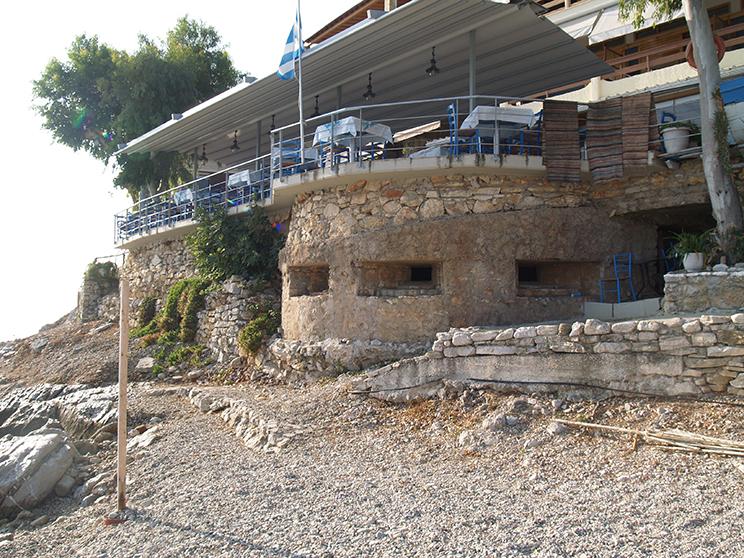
x=490, y=128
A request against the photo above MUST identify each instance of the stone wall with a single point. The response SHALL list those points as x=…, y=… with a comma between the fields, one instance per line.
x=153, y=268
x=226, y=312
x=295, y=361
x=473, y=230
x=697, y=292
x=673, y=356
x=96, y=303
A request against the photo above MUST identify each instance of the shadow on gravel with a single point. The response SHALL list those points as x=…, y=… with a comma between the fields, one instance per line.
x=215, y=536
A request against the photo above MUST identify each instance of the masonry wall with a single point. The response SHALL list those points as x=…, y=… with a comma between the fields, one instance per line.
x=695, y=292
x=695, y=355
x=472, y=230
x=153, y=268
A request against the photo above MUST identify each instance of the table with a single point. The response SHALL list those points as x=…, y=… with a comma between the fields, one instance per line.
x=348, y=131
x=484, y=118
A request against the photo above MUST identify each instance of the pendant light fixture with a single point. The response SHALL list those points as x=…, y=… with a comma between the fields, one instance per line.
x=235, y=147
x=317, y=107
x=204, y=159
x=369, y=93
x=432, y=70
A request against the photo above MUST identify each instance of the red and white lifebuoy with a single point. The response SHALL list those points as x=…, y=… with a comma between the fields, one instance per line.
x=720, y=49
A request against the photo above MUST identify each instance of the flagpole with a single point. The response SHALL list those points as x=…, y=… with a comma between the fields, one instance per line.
x=299, y=80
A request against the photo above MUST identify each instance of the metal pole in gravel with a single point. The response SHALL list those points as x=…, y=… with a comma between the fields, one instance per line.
x=121, y=462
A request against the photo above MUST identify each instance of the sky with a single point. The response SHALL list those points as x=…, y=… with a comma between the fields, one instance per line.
x=56, y=205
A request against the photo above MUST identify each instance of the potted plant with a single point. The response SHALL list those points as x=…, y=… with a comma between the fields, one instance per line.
x=692, y=247
x=677, y=135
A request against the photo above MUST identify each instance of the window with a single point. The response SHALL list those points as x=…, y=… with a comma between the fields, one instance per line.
x=556, y=278
x=308, y=280
x=398, y=279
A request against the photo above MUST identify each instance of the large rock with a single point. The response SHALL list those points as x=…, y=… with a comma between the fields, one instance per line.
x=30, y=467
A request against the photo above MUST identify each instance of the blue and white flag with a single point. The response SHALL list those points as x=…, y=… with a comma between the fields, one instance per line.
x=292, y=51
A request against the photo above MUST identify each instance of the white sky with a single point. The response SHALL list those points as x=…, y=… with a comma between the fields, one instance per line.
x=57, y=206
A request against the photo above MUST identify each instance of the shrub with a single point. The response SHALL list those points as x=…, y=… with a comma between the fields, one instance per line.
x=264, y=325
x=147, y=311
x=246, y=246
x=688, y=243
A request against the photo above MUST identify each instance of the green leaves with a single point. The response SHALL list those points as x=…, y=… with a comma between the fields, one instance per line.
x=635, y=10
x=247, y=246
x=98, y=97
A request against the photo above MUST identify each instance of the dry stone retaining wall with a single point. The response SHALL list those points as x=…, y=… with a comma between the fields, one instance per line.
x=695, y=292
x=673, y=356
x=152, y=269
x=226, y=312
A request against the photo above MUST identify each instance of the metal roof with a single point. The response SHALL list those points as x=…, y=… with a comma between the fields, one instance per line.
x=518, y=54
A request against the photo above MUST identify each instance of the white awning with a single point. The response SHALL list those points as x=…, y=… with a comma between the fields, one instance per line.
x=609, y=25
x=517, y=54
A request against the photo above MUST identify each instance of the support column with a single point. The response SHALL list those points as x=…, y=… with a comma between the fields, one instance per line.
x=390, y=5
x=258, y=144
x=471, y=68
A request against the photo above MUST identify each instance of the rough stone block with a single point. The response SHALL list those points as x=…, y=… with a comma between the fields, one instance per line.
x=727, y=337
x=703, y=339
x=648, y=336
x=692, y=326
x=624, y=327
x=645, y=347
x=547, y=330
x=525, y=332
x=694, y=362
x=713, y=320
x=495, y=350
x=609, y=347
x=738, y=319
x=560, y=346
x=672, y=343
x=725, y=351
x=596, y=327
x=577, y=329
x=483, y=336
x=461, y=339
x=649, y=325
x=505, y=335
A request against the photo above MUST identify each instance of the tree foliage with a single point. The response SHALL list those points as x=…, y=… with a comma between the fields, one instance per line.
x=246, y=246
x=635, y=10
x=99, y=97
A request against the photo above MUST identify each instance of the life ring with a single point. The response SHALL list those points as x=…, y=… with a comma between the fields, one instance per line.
x=720, y=49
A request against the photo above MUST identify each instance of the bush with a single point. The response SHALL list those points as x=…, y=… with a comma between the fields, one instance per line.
x=104, y=274
x=147, y=311
x=178, y=318
x=264, y=325
x=245, y=246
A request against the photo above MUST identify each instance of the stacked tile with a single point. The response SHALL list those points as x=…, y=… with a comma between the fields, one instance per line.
x=561, y=151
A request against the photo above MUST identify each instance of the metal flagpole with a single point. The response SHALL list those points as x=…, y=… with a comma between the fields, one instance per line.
x=299, y=80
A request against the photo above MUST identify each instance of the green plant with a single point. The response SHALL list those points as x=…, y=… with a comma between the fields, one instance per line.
x=104, y=274
x=247, y=246
x=147, y=309
x=681, y=124
x=265, y=323
x=688, y=243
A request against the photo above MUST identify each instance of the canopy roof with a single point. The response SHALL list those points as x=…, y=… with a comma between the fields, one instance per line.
x=517, y=54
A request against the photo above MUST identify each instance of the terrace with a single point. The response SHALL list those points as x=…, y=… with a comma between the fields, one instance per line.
x=428, y=86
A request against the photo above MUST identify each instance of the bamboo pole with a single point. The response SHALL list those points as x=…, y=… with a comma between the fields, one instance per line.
x=121, y=462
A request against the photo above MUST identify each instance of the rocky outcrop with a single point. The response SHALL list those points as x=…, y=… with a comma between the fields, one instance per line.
x=39, y=427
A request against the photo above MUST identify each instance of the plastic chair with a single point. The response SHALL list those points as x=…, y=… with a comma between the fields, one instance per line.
x=622, y=266
x=457, y=139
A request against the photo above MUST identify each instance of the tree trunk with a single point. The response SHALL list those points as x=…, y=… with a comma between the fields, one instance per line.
x=724, y=197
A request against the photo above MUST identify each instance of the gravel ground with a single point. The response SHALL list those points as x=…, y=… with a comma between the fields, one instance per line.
x=371, y=479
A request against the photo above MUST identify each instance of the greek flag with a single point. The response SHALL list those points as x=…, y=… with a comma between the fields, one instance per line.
x=292, y=51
